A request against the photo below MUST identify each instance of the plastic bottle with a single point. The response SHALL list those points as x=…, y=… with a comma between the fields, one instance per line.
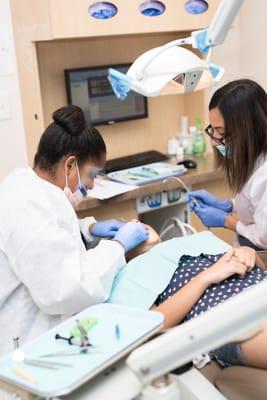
x=172, y=146
x=199, y=145
x=193, y=132
x=184, y=137
x=180, y=153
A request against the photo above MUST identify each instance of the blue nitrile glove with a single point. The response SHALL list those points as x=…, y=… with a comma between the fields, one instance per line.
x=207, y=198
x=131, y=235
x=210, y=216
x=106, y=229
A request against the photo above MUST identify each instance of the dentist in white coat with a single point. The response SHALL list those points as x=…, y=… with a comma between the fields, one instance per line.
x=46, y=271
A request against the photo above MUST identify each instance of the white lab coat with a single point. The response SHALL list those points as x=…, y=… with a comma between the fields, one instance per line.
x=251, y=206
x=46, y=274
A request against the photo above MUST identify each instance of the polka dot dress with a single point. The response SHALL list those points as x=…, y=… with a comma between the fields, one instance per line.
x=189, y=267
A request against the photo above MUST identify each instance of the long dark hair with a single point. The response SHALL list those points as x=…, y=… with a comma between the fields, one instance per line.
x=243, y=105
x=68, y=135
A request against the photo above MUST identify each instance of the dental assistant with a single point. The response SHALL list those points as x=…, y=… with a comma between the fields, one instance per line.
x=46, y=271
x=238, y=133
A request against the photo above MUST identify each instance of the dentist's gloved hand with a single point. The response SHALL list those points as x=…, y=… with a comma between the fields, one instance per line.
x=210, y=216
x=106, y=229
x=208, y=199
x=131, y=235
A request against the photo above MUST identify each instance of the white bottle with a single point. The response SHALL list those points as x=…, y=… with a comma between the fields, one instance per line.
x=188, y=145
x=184, y=136
x=184, y=125
x=180, y=153
x=172, y=146
x=193, y=131
x=193, y=135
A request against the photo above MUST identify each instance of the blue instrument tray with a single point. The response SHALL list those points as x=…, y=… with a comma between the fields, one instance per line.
x=147, y=173
x=135, y=325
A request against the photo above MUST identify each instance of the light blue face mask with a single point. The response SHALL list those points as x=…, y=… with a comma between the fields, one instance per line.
x=221, y=149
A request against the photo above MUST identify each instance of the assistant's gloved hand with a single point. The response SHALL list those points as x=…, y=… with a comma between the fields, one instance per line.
x=106, y=229
x=193, y=202
x=131, y=235
x=208, y=199
x=210, y=216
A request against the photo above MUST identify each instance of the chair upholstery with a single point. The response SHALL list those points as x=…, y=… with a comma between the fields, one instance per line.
x=238, y=383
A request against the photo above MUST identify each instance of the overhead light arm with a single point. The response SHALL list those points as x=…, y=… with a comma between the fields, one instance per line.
x=213, y=36
x=222, y=22
x=154, y=69
x=162, y=49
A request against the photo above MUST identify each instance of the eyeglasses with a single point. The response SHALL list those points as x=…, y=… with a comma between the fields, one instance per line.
x=92, y=173
x=210, y=132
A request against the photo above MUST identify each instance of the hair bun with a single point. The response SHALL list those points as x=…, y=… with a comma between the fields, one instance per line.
x=71, y=119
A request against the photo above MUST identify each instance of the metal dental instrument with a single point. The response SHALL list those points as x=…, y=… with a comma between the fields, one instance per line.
x=45, y=364
x=74, y=352
x=68, y=353
x=84, y=339
x=18, y=356
x=16, y=342
x=83, y=342
x=63, y=353
x=71, y=340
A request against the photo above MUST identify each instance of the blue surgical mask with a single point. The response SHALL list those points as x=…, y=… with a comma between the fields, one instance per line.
x=221, y=149
x=80, y=193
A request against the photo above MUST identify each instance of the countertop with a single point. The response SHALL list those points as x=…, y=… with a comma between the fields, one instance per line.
x=204, y=172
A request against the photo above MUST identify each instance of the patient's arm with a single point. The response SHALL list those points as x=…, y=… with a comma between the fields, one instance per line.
x=144, y=247
x=176, y=307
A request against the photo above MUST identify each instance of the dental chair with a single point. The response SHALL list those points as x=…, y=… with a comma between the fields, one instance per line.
x=180, y=345
x=147, y=371
x=236, y=382
x=239, y=383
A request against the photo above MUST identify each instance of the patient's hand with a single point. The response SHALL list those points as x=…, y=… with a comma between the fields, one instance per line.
x=147, y=245
x=227, y=266
x=245, y=255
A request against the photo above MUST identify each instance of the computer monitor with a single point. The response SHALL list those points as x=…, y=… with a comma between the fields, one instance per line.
x=90, y=89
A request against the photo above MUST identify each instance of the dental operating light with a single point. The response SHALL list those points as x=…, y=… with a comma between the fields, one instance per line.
x=174, y=69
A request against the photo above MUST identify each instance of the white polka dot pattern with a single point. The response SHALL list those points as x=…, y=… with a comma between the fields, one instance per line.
x=191, y=266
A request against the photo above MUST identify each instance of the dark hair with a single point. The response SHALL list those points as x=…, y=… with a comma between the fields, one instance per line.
x=69, y=134
x=243, y=105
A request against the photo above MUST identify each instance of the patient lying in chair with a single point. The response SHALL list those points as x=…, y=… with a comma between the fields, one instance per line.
x=222, y=276
x=196, y=281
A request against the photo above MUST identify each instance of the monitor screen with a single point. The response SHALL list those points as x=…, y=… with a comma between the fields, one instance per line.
x=90, y=89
